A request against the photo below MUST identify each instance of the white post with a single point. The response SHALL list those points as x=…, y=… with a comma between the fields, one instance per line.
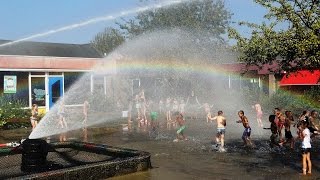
x=30, y=90
x=132, y=87
x=272, y=84
x=259, y=82
x=91, y=83
x=62, y=83
x=105, y=85
x=229, y=81
x=46, y=80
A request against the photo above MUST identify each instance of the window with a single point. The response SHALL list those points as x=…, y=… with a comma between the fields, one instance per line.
x=38, y=91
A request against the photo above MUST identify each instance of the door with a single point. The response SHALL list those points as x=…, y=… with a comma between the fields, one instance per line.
x=55, y=89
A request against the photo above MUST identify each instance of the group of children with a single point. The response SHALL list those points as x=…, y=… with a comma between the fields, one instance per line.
x=280, y=124
x=307, y=128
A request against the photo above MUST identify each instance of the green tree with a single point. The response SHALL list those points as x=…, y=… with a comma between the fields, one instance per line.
x=293, y=48
x=209, y=16
x=107, y=40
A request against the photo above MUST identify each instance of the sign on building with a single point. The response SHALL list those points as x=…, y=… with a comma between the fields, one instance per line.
x=10, y=84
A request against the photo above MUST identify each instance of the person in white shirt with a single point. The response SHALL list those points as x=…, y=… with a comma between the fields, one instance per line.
x=305, y=147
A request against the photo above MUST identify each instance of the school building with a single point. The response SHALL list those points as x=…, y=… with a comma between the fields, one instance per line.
x=40, y=73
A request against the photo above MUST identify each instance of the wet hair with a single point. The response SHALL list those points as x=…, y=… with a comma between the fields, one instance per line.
x=176, y=113
x=287, y=112
x=272, y=118
x=304, y=112
x=305, y=122
x=313, y=111
x=220, y=112
x=241, y=111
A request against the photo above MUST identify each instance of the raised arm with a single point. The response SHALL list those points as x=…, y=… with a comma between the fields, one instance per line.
x=198, y=101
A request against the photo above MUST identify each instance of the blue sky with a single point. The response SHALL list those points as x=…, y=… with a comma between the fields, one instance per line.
x=22, y=18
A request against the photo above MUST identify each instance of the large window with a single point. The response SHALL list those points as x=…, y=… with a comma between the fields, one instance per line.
x=22, y=91
x=38, y=91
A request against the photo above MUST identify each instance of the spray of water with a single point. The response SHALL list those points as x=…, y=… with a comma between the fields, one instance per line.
x=98, y=19
x=157, y=54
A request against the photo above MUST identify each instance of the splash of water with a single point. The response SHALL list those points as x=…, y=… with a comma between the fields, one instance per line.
x=156, y=53
x=98, y=19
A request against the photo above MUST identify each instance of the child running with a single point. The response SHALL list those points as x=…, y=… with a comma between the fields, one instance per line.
x=247, y=129
x=221, y=130
x=305, y=147
x=274, y=138
x=258, y=109
x=181, y=122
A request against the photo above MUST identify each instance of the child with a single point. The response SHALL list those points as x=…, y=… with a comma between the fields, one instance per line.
x=221, y=130
x=62, y=115
x=287, y=125
x=207, y=110
x=180, y=121
x=209, y=117
x=305, y=147
x=175, y=108
x=154, y=120
x=259, y=114
x=274, y=138
x=312, y=123
x=168, y=112
x=34, y=116
x=182, y=106
x=281, y=125
x=247, y=129
x=85, y=112
x=154, y=124
x=161, y=106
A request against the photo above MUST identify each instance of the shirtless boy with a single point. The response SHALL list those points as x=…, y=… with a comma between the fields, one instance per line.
x=287, y=125
x=274, y=138
x=247, y=129
x=221, y=129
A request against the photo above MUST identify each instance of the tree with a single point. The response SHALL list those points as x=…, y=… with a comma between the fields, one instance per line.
x=209, y=16
x=293, y=48
x=108, y=40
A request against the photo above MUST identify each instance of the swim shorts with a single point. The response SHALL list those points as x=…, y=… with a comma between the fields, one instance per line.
x=221, y=131
x=247, y=132
x=181, y=129
x=154, y=115
x=311, y=129
x=305, y=150
x=288, y=134
x=259, y=114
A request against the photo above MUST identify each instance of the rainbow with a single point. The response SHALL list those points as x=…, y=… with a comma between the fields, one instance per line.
x=232, y=70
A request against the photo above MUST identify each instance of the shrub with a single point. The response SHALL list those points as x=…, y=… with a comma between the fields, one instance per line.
x=12, y=109
x=289, y=101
